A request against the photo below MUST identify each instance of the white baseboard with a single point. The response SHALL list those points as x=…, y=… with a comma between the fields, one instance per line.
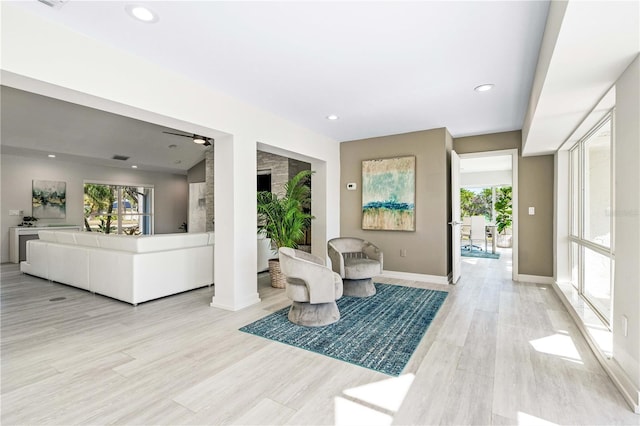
x=536, y=279
x=629, y=391
x=435, y=279
x=250, y=300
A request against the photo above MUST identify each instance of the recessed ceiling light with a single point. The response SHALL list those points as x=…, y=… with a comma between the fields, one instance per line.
x=483, y=87
x=51, y=156
x=141, y=13
x=332, y=117
x=198, y=139
x=134, y=166
x=173, y=146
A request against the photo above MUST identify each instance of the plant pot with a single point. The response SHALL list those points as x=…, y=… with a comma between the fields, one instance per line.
x=504, y=241
x=278, y=279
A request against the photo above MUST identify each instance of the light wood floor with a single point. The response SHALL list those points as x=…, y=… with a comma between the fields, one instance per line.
x=498, y=352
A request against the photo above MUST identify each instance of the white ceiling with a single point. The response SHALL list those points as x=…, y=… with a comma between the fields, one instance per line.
x=383, y=67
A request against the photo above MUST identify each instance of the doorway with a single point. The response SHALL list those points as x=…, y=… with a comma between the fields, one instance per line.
x=487, y=189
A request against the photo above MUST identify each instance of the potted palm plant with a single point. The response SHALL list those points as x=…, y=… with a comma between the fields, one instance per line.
x=504, y=213
x=285, y=219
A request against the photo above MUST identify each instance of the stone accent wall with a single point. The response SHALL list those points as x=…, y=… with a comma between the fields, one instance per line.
x=209, y=177
x=279, y=167
x=282, y=170
x=296, y=166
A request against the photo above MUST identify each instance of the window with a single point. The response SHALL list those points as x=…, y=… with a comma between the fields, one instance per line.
x=118, y=209
x=592, y=248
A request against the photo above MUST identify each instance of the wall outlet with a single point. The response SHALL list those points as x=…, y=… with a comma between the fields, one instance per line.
x=403, y=252
x=532, y=211
x=16, y=213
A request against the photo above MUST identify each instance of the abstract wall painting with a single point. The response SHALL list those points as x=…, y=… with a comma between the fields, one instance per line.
x=389, y=194
x=49, y=199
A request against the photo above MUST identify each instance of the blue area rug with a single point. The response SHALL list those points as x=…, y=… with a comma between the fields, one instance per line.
x=478, y=253
x=378, y=332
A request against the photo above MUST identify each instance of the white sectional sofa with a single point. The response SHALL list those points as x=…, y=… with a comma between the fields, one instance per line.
x=133, y=269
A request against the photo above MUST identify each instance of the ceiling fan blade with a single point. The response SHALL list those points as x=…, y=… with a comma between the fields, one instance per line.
x=207, y=141
x=179, y=134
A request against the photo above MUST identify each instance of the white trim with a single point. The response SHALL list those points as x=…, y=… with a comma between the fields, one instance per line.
x=629, y=391
x=436, y=279
x=535, y=279
x=250, y=300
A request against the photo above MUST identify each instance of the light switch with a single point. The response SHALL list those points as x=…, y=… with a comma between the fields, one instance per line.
x=532, y=211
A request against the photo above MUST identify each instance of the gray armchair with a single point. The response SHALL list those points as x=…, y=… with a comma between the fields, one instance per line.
x=357, y=261
x=312, y=287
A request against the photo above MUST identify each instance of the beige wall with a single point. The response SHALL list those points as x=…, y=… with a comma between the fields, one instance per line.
x=535, y=233
x=535, y=189
x=427, y=247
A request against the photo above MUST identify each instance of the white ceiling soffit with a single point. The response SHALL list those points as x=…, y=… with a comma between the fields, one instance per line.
x=383, y=67
x=485, y=164
x=587, y=45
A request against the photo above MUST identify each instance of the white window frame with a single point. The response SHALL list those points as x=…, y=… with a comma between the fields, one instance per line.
x=579, y=239
x=119, y=213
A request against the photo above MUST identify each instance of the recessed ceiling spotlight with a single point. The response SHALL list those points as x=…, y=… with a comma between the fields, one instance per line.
x=134, y=166
x=51, y=156
x=141, y=13
x=332, y=117
x=483, y=87
x=199, y=140
x=173, y=146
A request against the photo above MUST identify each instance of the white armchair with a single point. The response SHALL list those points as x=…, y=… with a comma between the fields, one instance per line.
x=357, y=261
x=312, y=287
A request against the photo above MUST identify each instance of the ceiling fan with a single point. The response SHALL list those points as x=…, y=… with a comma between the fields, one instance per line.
x=200, y=140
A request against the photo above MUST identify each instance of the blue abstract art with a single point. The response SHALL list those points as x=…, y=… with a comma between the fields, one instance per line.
x=388, y=194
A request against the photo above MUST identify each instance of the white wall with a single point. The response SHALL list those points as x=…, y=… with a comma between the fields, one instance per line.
x=84, y=71
x=171, y=192
x=626, y=295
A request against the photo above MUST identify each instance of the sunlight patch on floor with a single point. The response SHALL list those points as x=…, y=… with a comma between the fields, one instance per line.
x=528, y=419
x=559, y=345
x=373, y=403
x=352, y=413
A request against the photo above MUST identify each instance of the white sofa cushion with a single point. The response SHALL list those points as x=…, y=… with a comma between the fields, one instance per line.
x=88, y=239
x=47, y=236
x=164, y=242
x=65, y=237
x=118, y=242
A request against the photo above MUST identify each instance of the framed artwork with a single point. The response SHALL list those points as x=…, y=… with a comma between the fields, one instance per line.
x=389, y=194
x=49, y=199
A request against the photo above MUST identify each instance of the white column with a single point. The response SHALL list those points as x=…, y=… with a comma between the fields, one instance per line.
x=235, y=258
